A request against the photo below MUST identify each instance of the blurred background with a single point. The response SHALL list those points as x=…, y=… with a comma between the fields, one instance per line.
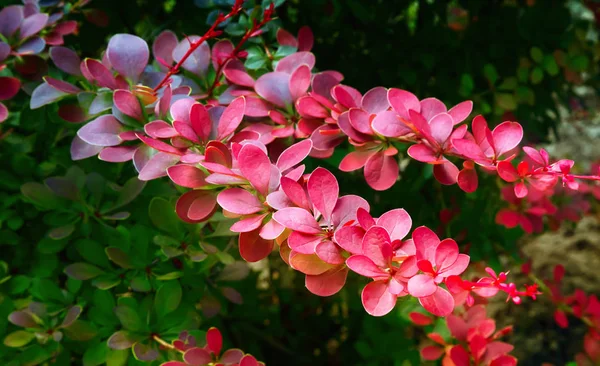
x=533, y=61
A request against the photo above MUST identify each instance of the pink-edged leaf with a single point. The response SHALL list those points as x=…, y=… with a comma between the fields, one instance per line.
x=469, y=149
x=419, y=319
x=200, y=121
x=254, y=248
x=305, y=39
x=355, y=160
x=99, y=73
x=9, y=87
x=271, y=230
x=346, y=96
x=235, y=72
x=187, y=176
x=32, y=25
x=3, y=113
x=375, y=100
x=329, y=252
x=128, y=104
x=328, y=283
x=157, y=166
x=22, y=319
x=103, y=131
x=293, y=155
x=239, y=201
x=467, y=180
x=445, y=173
x=199, y=60
x=389, y=124
x=425, y=241
x=298, y=219
x=361, y=120
x=162, y=48
x=397, y=223
x=507, y=171
x=323, y=190
x=446, y=254
x=373, y=241
x=300, y=81
x=350, y=238
x=186, y=131
x=431, y=107
x=381, y=171
x=441, y=127
x=461, y=111
x=323, y=83
x=159, y=130
x=256, y=107
x=196, y=206
x=309, y=264
x=507, y=135
x=364, y=266
x=275, y=88
x=345, y=209
x=255, y=166
x=303, y=243
x=197, y=356
x=117, y=154
x=248, y=360
x=295, y=193
x=440, y=303
x=421, y=285
x=82, y=150
x=62, y=86
x=66, y=60
x=128, y=54
x=403, y=101
x=157, y=144
x=376, y=298
x=309, y=107
x=291, y=62
x=180, y=110
x=214, y=340
x=431, y=353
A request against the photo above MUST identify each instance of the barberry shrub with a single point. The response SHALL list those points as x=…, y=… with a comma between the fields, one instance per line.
x=230, y=151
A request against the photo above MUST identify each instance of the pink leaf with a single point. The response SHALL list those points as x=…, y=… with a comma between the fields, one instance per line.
x=445, y=173
x=421, y=285
x=103, y=131
x=375, y=100
x=128, y=104
x=163, y=47
x=440, y=303
x=431, y=353
x=364, y=266
x=196, y=206
x=187, y=176
x=425, y=243
x=255, y=166
x=66, y=59
x=373, y=241
x=32, y=25
x=199, y=60
x=247, y=223
x=507, y=171
x=507, y=135
x=461, y=111
x=239, y=201
x=345, y=209
x=430, y=107
x=200, y=121
x=441, y=127
x=128, y=54
x=329, y=252
x=305, y=39
x=350, y=238
x=294, y=154
x=231, y=118
x=397, y=223
x=271, y=230
x=328, y=283
x=214, y=340
x=467, y=180
x=403, y=102
x=376, y=298
x=297, y=219
x=254, y=248
x=323, y=191
x=197, y=356
x=308, y=106
x=290, y=63
x=420, y=319
x=459, y=356
x=446, y=254
x=389, y=124
x=309, y=264
x=117, y=154
x=275, y=88
x=300, y=81
x=236, y=74
x=381, y=171
x=355, y=160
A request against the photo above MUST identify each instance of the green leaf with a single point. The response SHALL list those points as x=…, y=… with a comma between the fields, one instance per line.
x=128, y=193
x=506, y=101
x=61, y=232
x=235, y=29
x=83, y=271
x=35, y=355
x=169, y=276
x=163, y=216
x=40, y=195
x=537, y=75
x=117, y=357
x=106, y=281
x=119, y=257
x=95, y=355
x=92, y=252
x=225, y=258
x=536, y=54
x=167, y=298
x=550, y=65
x=51, y=246
x=81, y=330
x=129, y=318
x=18, y=284
x=255, y=63
x=140, y=283
x=18, y=338
x=508, y=84
x=466, y=85
x=580, y=63
x=490, y=73
x=283, y=51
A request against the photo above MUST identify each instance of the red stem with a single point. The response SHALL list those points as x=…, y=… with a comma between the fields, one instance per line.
x=211, y=33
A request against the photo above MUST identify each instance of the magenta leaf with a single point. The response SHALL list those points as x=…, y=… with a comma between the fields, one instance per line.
x=440, y=303
x=196, y=206
x=82, y=150
x=239, y=201
x=291, y=62
x=128, y=104
x=364, y=266
x=299, y=219
x=163, y=47
x=376, y=298
x=294, y=154
x=389, y=124
x=256, y=167
x=376, y=100
x=323, y=190
x=197, y=356
x=381, y=171
x=128, y=54
x=421, y=285
x=214, y=340
x=103, y=131
x=9, y=87
x=328, y=283
x=187, y=176
x=231, y=118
